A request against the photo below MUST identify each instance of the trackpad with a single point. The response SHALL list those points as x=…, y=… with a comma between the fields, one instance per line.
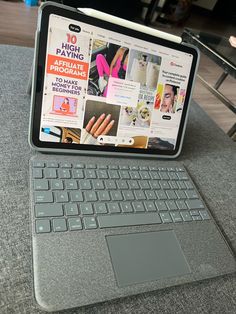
x=146, y=256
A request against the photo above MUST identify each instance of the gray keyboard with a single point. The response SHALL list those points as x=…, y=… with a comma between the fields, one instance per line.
x=69, y=197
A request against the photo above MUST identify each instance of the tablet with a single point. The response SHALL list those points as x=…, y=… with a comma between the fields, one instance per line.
x=103, y=87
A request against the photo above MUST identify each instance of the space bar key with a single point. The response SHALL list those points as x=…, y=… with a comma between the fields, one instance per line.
x=122, y=220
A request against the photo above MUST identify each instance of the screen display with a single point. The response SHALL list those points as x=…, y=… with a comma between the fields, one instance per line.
x=108, y=89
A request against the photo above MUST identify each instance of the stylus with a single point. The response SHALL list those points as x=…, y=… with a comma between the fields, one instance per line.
x=119, y=21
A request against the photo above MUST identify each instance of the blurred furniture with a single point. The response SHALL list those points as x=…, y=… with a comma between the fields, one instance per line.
x=218, y=49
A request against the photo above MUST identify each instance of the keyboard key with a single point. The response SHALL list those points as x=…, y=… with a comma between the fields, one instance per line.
x=164, y=185
x=128, y=195
x=65, y=165
x=90, y=174
x=155, y=185
x=138, y=206
x=133, y=185
x=102, y=174
x=150, y=206
x=176, y=217
x=50, y=173
x=189, y=185
x=43, y=197
x=133, y=219
x=90, y=223
x=113, y=167
x=37, y=173
x=48, y=210
x=161, y=195
x=122, y=185
x=180, y=194
x=56, y=184
x=165, y=217
x=171, y=194
x=74, y=224
x=61, y=196
x=77, y=174
x=38, y=164
x=182, y=175
x=204, y=214
x=59, y=225
x=103, y=196
x=145, y=175
x=91, y=166
x=155, y=175
x=194, y=204
x=64, y=173
x=171, y=205
x=42, y=226
x=194, y=212
x=102, y=166
x=124, y=167
x=116, y=196
x=79, y=165
x=164, y=175
x=181, y=204
x=41, y=185
x=151, y=168
x=85, y=185
x=161, y=205
x=139, y=195
x=113, y=174
x=71, y=209
x=198, y=218
x=52, y=164
x=173, y=185
x=126, y=207
x=191, y=194
x=100, y=208
x=86, y=209
x=71, y=184
x=90, y=196
x=181, y=185
x=124, y=174
x=150, y=195
x=172, y=175
x=98, y=185
x=76, y=196
x=110, y=184
x=135, y=175
x=144, y=185
x=113, y=208
x=186, y=216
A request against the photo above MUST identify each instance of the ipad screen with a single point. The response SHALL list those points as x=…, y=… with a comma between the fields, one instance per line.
x=108, y=89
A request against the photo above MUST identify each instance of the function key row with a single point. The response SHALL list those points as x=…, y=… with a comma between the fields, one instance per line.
x=52, y=164
x=62, y=173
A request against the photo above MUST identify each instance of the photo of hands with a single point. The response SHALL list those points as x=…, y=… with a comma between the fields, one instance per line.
x=100, y=119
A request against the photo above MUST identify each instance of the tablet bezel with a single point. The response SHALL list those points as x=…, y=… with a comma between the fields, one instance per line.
x=38, y=82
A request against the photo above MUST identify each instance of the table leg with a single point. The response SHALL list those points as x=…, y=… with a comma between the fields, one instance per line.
x=218, y=94
x=151, y=9
x=220, y=80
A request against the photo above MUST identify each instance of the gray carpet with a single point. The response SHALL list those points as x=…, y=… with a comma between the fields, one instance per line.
x=208, y=153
